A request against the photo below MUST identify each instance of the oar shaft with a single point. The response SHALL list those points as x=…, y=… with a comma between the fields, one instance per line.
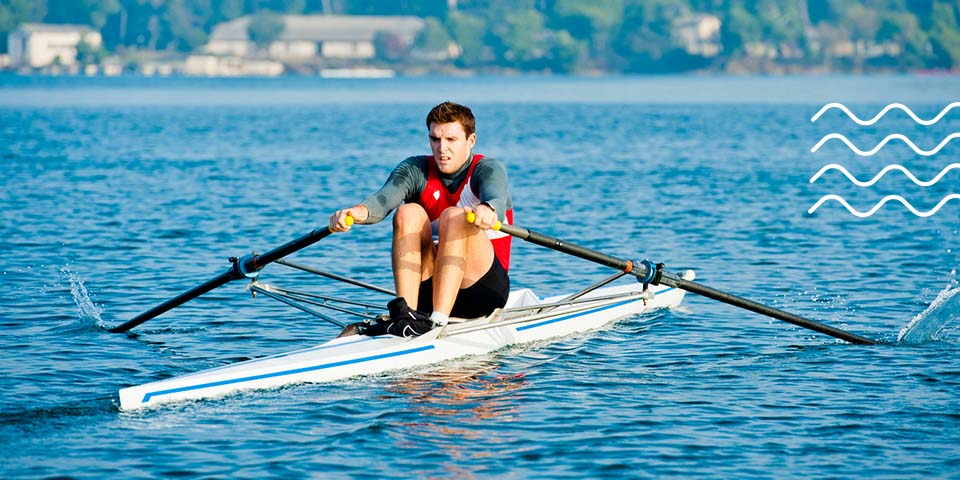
x=674, y=280
x=291, y=247
x=565, y=247
x=249, y=264
x=174, y=302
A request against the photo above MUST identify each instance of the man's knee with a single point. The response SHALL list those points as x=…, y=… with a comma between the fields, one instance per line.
x=410, y=214
x=452, y=217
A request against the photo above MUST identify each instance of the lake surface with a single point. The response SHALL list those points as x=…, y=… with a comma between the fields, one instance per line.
x=121, y=193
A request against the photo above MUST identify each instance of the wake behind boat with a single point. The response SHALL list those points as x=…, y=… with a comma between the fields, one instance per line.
x=525, y=318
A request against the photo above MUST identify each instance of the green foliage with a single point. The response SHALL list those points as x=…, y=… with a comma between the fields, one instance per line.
x=585, y=20
x=518, y=38
x=862, y=22
x=558, y=35
x=84, y=12
x=185, y=20
x=944, y=36
x=230, y=9
x=265, y=28
x=781, y=22
x=433, y=37
x=740, y=28
x=14, y=12
x=565, y=54
x=88, y=54
x=469, y=32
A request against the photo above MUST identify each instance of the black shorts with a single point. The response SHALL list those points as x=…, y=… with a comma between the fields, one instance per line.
x=477, y=300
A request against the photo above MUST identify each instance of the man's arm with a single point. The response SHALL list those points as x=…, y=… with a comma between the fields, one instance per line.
x=406, y=179
x=493, y=186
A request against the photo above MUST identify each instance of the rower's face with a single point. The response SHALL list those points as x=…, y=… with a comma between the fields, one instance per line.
x=450, y=145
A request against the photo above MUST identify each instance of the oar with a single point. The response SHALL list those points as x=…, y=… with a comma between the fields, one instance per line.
x=650, y=273
x=246, y=267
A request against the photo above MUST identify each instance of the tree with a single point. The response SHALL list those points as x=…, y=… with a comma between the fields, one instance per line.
x=781, y=21
x=88, y=54
x=265, y=28
x=185, y=21
x=84, y=12
x=565, y=54
x=903, y=29
x=15, y=12
x=863, y=22
x=518, y=38
x=469, y=31
x=593, y=21
x=644, y=37
x=739, y=28
x=433, y=37
x=230, y=9
x=944, y=36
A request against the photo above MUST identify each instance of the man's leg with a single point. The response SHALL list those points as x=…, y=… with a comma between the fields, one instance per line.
x=463, y=256
x=413, y=253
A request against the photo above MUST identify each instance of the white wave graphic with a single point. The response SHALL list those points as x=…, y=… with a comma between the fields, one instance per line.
x=881, y=203
x=911, y=176
x=884, y=112
x=887, y=139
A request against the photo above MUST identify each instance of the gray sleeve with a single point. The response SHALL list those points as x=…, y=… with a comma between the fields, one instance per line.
x=493, y=185
x=405, y=182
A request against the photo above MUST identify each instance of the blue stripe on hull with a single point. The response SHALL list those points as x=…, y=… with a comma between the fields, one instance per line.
x=149, y=395
x=576, y=315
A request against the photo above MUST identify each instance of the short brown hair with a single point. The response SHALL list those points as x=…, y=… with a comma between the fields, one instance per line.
x=448, y=112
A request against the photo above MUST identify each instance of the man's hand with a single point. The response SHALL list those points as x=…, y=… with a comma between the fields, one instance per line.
x=338, y=221
x=486, y=217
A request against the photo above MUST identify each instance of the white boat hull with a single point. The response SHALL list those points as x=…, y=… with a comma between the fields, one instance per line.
x=359, y=355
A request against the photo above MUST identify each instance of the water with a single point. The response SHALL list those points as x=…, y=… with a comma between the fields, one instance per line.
x=120, y=193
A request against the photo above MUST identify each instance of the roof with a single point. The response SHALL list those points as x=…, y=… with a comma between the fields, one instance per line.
x=317, y=28
x=53, y=27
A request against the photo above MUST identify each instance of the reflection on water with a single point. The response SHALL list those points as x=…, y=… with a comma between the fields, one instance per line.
x=450, y=400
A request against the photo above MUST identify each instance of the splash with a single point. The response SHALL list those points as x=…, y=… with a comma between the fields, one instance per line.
x=88, y=313
x=925, y=326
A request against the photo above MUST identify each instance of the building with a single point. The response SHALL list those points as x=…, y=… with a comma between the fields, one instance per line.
x=224, y=66
x=37, y=45
x=698, y=34
x=308, y=37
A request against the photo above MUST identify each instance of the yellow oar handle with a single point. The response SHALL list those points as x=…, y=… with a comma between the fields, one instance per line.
x=348, y=221
x=472, y=218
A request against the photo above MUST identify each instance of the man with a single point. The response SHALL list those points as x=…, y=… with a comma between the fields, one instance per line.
x=441, y=263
